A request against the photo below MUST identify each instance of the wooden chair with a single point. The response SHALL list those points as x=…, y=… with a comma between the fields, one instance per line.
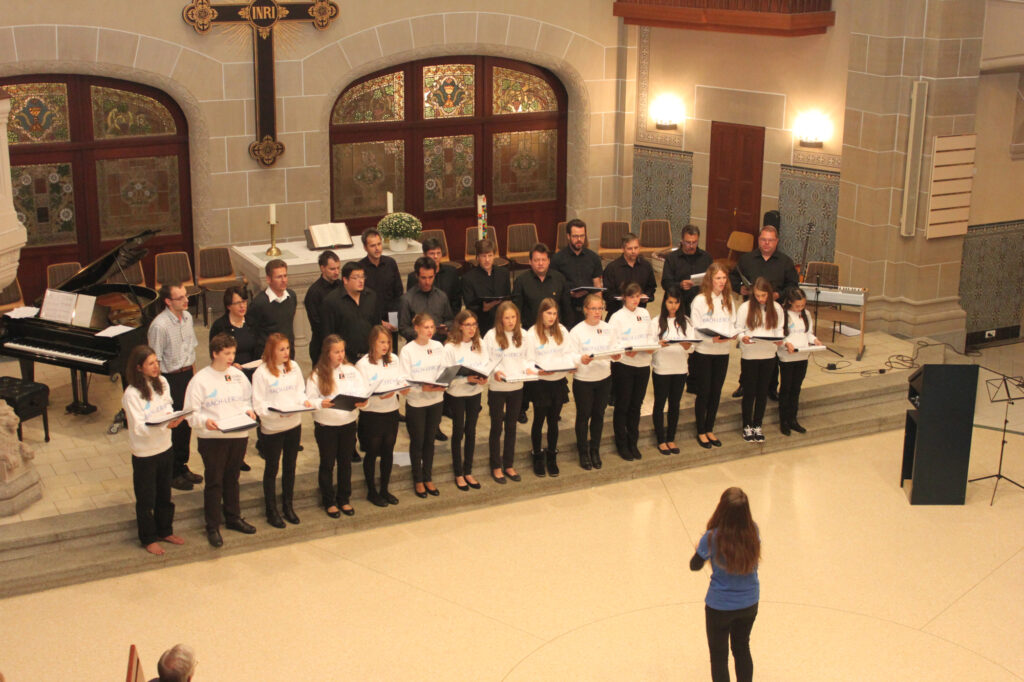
x=519, y=239
x=216, y=273
x=612, y=232
x=738, y=243
x=11, y=297
x=174, y=266
x=58, y=273
x=441, y=237
x=489, y=233
x=133, y=275
x=655, y=237
x=561, y=238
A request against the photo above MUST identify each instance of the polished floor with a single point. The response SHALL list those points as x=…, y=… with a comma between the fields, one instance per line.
x=589, y=585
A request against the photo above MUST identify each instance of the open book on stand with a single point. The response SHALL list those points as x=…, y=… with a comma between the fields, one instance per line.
x=328, y=236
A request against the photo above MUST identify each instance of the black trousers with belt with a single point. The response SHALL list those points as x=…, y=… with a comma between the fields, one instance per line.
x=336, y=445
x=629, y=386
x=591, y=398
x=154, y=511
x=465, y=412
x=709, y=372
x=791, y=379
x=181, y=435
x=756, y=377
x=280, y=449
x=222, y=458
x=668, y=389
x=378, y=432
x=422, y=423
x=504, y=409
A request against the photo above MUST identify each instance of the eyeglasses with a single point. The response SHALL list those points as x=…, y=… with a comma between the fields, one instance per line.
x=179, y=298
x=238, y=302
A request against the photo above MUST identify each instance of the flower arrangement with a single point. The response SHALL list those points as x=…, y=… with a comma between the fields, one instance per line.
x=400, y=226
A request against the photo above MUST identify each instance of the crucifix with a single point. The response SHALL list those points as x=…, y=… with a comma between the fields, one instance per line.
x=262, y=16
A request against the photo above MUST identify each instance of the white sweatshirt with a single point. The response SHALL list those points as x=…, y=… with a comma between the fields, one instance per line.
x=716, y=317
x=285, y=390
x=146, y=441
x=671, y=359
x=380, y=377
x=633, y=329
x=588, y=339
x=345, y=379
x=549, y=350
x=463, y=354
x=423, y=363
x=514, y=360
x=213, y=395
x=797, y=335
x=758, y=350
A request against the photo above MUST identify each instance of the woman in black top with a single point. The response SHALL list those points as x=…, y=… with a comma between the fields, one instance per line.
x=233, y=322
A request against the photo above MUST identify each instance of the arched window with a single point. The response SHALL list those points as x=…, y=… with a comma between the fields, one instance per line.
x=438, y=132
x=94, y=161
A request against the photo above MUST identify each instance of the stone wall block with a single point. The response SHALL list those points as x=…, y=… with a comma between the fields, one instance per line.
x=8, y=53
x=953, y=96
x=320, y=70
x=36, y=43
x=941, y=58
x=522, y=33
x=459, y=27
x=587, y=56
x=228, y=190
x=223, y=117
x=303, y=184
x=363, y=47
x=156, y=56
x=553, y=40
x=77, y=43
x=267, y=186
x=490, y=28
x=885, y=56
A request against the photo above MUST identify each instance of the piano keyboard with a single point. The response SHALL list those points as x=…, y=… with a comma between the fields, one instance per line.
x=53, y=353
x=834, y=295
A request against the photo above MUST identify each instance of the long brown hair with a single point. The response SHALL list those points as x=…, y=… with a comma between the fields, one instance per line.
x=556, y=331
x=273, y=341
x=133, y=373
x=376, y=333
x=737, y=545
x=674, y=293
x=499, y=326
x=797, y=294
x=771, y=316
x=323, y=371
x=705, y=286
x=455, y=333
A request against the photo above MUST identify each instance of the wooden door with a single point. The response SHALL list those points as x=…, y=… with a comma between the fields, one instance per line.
x=734, y=184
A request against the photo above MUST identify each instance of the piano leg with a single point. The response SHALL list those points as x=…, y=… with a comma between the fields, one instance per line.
x=28, y=369
x=80, y=394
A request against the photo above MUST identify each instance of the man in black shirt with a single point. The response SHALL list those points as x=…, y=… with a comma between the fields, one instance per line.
x=447, y=278
x=580, y=266
x=486, y=280
x=681, y=264
x=330, y=270
x=765, y=261
x=382, y=277
x=538, y=283
x=273, y=310
x=351, y=311
x=424, y=298
x=629, y=267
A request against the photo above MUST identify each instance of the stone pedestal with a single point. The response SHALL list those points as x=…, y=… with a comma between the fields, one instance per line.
x=19, y=480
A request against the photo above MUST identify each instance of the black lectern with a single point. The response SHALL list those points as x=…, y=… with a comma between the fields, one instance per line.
x=937, y=440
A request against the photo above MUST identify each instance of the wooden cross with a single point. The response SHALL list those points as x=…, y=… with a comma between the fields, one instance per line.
x=262, y=16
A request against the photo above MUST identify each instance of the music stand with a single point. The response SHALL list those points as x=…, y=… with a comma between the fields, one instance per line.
x=1005, y=389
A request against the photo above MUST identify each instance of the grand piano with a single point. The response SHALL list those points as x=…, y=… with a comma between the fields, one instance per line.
x=79, y=348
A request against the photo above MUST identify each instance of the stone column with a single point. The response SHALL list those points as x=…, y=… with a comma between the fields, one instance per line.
x=913, y=282
x=12, y=232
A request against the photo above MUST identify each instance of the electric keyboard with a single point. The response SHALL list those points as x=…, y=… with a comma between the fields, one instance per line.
x=834, y=295
x=821, y=298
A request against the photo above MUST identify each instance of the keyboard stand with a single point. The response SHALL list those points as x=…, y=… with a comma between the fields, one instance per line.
x=834, y=315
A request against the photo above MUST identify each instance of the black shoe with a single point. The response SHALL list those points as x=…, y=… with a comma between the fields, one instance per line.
x=738, y=393
x=538, y=464
x=288, y=512
x=773, y=395
x=241, y=526
x=356, y=457
x=348, y=512
x=585, y=463
x=625, y=453
x=514, y=477
x=674, y=451
x=274, y=517
x=784, y=429
x=796, y=427
x=333, y=514
x=665, y=451
x=522, y=418
x=501, y=480
x=388, y=497
x=595, y=458
x=440, y=437
x=377, y=500
x=636, y=452
x=301, y=448
x=181, y=483
x=550, y=458
x=191, y=477
x=474, y=486
x=433, y=492
x=758, y=434
x=706, y=444
x=214, y=538
x=714, y=441
x=244, y=467
x=421, y=495
x=464, y=487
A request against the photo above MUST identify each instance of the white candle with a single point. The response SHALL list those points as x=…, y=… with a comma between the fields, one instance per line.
x=273, y=213
x=481, y=215
x=391, y=202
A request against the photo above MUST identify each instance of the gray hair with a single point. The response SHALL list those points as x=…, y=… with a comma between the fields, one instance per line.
x=177, y=664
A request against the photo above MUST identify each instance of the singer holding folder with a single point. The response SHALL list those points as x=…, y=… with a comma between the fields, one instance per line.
x=669, y=367
x=793, y=361
x=422, y=359
x=711, y=309
x=334, y=428
x=632, y=373
x=548, y=343
x=761, y=320
x=465, y=347
x=593, y=381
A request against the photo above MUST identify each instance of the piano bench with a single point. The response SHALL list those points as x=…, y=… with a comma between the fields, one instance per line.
x=28, y=399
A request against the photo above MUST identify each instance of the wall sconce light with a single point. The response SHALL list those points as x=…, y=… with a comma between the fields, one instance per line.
x=667, y=111
x=812, y=129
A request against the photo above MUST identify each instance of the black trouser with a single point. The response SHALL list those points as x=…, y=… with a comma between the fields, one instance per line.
x=378, y=432
x=222, y=458
x=755, y=377
x=422, y=424
x=274, y=444
x=504, y=408
x=723, y=627
x=336, y=445
x=465, y=411
x=791, y=378
x=591, y=398
x=181, y=435
x=549, y=413
x=630, y=386
x=154, y=511
x=709, y=371
x=667, y=387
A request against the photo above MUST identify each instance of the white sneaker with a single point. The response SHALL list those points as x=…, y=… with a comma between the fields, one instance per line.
x=758, y=434
x=748, y=434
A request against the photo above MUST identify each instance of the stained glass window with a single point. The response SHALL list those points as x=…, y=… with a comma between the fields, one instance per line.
x=44, y=201
x=515, y=92
x=448, y=172
x=525, y=166
x=119, y=113
x=364, y=172
x=39, y=113
x=136, y=194
x=373, y=101
x=449, y=91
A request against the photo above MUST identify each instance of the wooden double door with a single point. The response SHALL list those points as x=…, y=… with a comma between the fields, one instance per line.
x=734, y=183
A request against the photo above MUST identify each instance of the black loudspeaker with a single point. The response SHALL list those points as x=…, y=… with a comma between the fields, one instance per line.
x=773, y=218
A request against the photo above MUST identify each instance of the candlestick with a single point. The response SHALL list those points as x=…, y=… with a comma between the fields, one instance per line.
x=273, y=250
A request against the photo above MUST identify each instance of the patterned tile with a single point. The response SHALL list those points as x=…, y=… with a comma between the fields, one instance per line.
x=808, y=196
x=992, y=275
x=662, y=187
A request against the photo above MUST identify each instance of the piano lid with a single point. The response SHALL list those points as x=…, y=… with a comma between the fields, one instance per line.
x=127, y=254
